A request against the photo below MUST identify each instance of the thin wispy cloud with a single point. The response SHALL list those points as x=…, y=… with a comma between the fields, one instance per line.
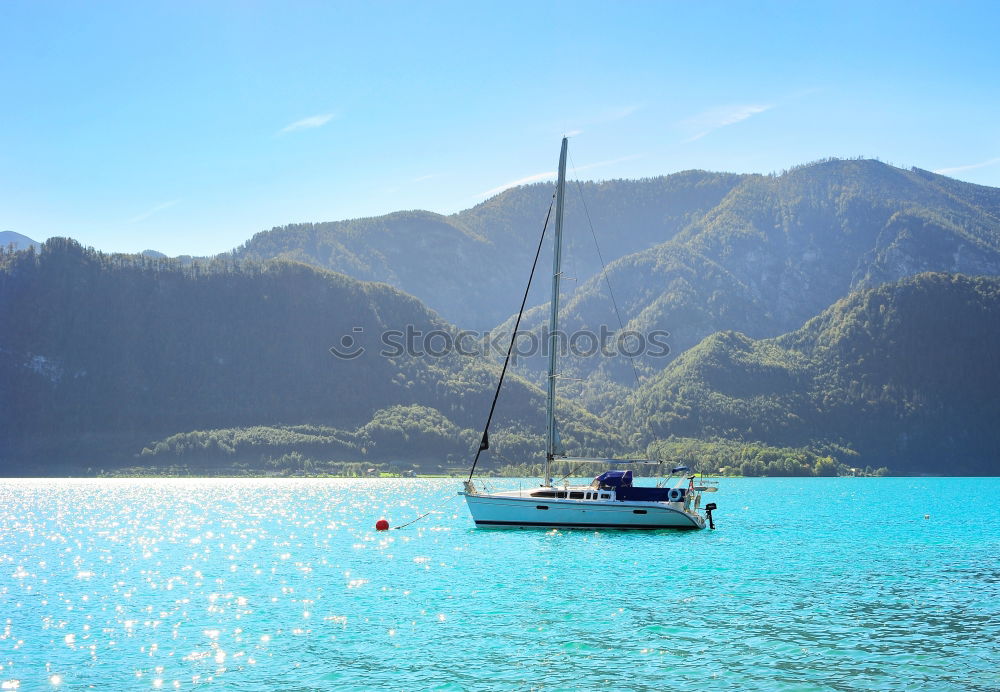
x=520, y=181
x=424, y=177
x=716, y=118
x=552, y=174
x=155, y=210
x=970, y=167
x=307, y=123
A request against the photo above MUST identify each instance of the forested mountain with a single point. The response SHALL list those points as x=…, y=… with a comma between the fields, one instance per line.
x=905, y=374
x=471, y=266
x=779, y=249
x=103, y=355
x=140, y=359
x=689, y=254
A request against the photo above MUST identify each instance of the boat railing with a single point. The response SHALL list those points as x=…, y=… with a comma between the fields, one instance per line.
x=702, y=484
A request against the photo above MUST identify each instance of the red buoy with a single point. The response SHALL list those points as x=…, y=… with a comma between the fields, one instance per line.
x=381, y=525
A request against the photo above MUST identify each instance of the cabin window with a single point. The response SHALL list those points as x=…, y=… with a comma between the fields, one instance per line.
x=576, y=496
x=605, y=496
x=543, y=493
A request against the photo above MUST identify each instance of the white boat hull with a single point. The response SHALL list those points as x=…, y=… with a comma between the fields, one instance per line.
x=519, y=511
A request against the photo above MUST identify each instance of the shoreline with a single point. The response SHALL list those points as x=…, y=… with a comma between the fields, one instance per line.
x=167, y=476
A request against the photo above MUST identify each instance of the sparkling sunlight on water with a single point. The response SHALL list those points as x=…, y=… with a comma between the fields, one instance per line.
x=808, y=584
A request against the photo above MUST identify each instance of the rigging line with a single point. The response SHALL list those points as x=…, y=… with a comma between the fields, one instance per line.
x=484, y=443
x=604, y=269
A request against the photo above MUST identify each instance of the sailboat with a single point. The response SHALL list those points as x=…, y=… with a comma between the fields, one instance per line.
x=611, y=500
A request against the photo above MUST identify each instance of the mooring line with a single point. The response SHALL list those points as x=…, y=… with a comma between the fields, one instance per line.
x=432, y=510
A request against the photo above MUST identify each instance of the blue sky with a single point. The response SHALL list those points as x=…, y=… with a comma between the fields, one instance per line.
x=186, y=127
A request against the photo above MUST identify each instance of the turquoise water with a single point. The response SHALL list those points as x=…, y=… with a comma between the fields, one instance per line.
x=807, y=584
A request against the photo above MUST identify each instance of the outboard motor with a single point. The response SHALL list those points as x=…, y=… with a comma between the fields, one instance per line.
x=708, y=514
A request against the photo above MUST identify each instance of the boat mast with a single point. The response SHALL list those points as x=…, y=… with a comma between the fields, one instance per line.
x=550, y=402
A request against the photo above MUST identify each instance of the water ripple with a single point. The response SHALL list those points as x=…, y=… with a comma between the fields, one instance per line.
x=808, y=584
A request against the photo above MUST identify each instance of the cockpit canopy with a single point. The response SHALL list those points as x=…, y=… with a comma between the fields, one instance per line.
x=612, y=480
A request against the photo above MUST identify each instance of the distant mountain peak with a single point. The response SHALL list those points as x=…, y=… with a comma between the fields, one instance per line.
x=20, y=242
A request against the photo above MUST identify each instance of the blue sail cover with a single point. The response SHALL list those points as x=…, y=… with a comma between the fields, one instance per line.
x=644, y=494
x=615, y=479
x=621, y=481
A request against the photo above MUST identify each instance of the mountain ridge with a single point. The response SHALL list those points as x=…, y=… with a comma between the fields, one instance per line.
x=456, y=274
x=734, y=268
x=904, y=374
x=891, y=222
x=115, y=351
x=780, y=249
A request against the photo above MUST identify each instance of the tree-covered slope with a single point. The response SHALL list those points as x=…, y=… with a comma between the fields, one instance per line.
x=779, y=249
x=101, y=348
x=905, y=374
x=688, y=254
x=471, y=266
x=806, y=238
x=101, y=355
